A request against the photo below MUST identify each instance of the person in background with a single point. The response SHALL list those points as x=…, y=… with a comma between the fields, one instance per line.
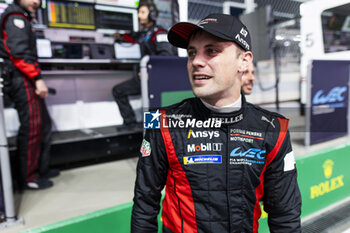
x=25, y=87
x=248, y=79
x=217, y=155
x=153, y=41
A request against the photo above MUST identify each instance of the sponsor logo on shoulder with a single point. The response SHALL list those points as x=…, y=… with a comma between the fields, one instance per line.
x=145, y=148
x=162, y=38
x=19, y=23
x=202, y=159
x=263, y=118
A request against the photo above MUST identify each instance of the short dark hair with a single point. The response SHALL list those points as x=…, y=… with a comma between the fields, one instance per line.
x=153, y=11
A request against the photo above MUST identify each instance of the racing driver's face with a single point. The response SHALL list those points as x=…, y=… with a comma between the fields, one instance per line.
x=215, y=68
x=30, y=5
x=248, y=79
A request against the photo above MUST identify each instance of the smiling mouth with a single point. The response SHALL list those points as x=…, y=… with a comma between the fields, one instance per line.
x=200, y=77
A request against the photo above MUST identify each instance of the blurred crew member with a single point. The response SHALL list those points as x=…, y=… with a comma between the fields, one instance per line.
x=223, y=155
x=153, y=41
x=25, y=87
x=248, y=79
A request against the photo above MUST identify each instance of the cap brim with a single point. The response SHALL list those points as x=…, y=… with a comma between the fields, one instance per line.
x=180, y=33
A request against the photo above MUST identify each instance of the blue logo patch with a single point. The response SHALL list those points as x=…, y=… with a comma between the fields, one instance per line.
x=200, y=159
x=251, y=153
x=151, y=120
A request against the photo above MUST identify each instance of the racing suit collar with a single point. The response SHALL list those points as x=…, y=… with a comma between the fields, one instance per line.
x=225, y=109
x=227, y=118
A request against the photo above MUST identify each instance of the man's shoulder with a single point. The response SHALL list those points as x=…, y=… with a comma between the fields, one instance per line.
x=13, y=8
x=273, y=120
x=157, y=29
x=12, y=11
x=269, y=112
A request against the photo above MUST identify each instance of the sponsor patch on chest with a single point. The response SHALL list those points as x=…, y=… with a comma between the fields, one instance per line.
x=202, y=159
x=145, y=148
x=247, y=157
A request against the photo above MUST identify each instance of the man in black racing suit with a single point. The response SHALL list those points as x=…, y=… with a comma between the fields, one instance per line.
x=217, y=155
x=152, y=39
x=25, y=87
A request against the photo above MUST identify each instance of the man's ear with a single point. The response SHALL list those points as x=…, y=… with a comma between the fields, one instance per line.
x=245, y=59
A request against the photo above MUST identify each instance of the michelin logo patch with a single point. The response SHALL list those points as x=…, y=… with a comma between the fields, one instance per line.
x=145, y=148
x=202, y=159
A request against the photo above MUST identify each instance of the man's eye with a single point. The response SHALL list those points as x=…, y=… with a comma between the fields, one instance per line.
x=212, y=51
x=191, y=53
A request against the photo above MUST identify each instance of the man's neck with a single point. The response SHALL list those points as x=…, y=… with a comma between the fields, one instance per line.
x=149, y=24
x=231, y=107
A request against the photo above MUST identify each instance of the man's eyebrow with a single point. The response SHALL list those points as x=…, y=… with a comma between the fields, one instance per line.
x=206, y=46
x=190, y=47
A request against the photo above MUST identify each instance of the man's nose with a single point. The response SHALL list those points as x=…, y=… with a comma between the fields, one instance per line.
x=199, y=60
x=253, y=77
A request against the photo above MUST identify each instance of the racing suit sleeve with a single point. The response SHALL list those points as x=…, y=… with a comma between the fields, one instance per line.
x=131, y=37
x=162, y=45
x=151, y=177
x=18, y=44
x=282, y=200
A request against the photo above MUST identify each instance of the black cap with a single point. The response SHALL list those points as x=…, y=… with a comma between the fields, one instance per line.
x=226, y=27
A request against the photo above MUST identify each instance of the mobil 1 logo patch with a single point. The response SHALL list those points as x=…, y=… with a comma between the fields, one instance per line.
x=204, y=147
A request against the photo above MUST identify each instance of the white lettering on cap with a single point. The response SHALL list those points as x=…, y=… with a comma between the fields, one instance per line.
x=242, y=41
x=244, y=32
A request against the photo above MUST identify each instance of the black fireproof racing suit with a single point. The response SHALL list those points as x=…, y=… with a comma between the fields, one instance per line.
x=215, y=177
x=153, y=41
x=20, y=70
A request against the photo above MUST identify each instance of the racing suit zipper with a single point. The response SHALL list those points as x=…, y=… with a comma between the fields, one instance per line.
x=228, y=176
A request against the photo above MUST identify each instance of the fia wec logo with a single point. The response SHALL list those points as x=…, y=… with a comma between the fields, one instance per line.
x=251, y=153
